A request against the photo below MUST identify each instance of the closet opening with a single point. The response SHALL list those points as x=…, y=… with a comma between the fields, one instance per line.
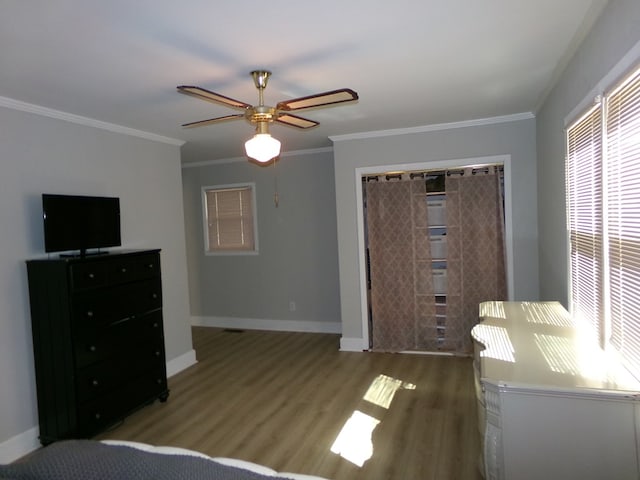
x=434, y=246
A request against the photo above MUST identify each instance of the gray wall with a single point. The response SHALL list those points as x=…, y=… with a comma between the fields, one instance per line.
x=40, y=154
x=297, y=260
x=514, y=138
x=611, y=44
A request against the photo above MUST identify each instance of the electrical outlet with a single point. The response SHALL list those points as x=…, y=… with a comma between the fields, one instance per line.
x=292, y=306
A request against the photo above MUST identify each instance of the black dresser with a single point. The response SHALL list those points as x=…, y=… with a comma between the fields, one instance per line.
x=97, y=338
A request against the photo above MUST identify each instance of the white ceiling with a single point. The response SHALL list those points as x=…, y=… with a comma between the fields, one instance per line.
x=413, y=62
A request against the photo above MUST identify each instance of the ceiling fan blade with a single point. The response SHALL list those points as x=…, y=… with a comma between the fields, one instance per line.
x=295, y=121
x=205, y=94
x=211, y=121
x=318, y=100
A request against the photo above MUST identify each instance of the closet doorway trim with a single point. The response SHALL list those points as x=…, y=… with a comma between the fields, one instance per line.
x=426, y=166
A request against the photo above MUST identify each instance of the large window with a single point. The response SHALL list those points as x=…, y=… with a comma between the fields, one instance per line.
x=603, y=210
x=230, y=221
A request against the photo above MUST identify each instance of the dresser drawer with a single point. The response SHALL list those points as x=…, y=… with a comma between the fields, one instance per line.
x=94, y=344
x=99, y=413
x=88, y=275
x=148, y=266
x=134, y=268
x=110, y=305
x=108, y=375
x=113, y=270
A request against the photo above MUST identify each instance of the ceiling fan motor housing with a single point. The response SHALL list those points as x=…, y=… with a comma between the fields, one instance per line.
x=260, y=113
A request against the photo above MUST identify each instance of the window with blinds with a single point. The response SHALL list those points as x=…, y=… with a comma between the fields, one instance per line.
x=622, y=161
x=230, y=221
x=584, y=212
x=603, y=212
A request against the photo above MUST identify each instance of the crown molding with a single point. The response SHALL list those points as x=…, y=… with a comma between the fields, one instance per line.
x=89, y=122
x=434, y=127
x=292, y=153
x=376, y=134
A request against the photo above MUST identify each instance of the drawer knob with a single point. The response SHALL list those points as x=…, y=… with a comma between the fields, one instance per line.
x=92, y=348
x=155, y=324
x=97, y=416
x=157, y=353
x=91, y=276
x=89, y=313
x=95, y=382
x=123, y=270
x=150, y=266
x=154, y=295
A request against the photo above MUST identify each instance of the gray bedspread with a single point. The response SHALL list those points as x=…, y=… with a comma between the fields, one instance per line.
x=92, y=460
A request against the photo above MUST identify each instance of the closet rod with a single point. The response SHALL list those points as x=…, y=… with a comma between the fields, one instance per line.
x=422, y=174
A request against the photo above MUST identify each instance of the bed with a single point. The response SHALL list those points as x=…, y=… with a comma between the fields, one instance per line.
x=114, y=459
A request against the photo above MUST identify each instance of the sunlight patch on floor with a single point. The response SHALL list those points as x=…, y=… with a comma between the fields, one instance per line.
x=354, y=442
x=384, y=388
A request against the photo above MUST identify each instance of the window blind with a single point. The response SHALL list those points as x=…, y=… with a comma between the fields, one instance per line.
x=603, y=218
x=584, y=212
x=623, y=216
x=230, y=219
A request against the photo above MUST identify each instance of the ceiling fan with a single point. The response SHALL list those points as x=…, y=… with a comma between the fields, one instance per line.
x=263, y=147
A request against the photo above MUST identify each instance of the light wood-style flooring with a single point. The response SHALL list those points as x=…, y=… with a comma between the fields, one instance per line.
x=281, y=399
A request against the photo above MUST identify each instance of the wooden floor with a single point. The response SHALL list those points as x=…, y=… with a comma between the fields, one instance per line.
x=282, y=399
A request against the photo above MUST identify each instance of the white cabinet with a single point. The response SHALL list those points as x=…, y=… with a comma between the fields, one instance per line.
x=552, y=403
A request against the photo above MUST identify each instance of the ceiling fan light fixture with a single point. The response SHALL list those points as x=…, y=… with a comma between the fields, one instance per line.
x=262, y=147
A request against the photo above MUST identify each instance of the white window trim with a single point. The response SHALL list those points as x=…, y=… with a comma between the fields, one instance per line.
x=205, y=229
x=613, y=76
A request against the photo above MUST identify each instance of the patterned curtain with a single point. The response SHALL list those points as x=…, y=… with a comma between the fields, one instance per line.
x=476, y=255
x=402, y=301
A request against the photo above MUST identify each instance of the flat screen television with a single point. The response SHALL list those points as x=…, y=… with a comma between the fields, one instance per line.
x=79, y=223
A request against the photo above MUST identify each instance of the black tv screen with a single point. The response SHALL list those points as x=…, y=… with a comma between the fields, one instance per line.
x=74, y=222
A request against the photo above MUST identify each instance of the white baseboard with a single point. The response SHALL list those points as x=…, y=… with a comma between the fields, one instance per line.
x=19, y=446
x=27, y=442
x=352, y=344
x=267, y=324
x=182, y=362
